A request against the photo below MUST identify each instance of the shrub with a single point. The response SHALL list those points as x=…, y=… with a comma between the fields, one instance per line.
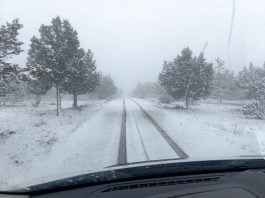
x=255, y=109
x=166, y=99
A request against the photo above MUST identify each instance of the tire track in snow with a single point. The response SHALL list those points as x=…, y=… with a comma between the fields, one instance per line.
x=122, y=153
x=141, y=138
x=163, y=133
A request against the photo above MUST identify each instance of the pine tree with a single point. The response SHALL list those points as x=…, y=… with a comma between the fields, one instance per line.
x=187, y=77
x=82, y=77
x=148, y=90
x=224, y=82
x=52, y=54
x=252, y=79
x=218, y=80
x=106, y=87
x=202, y=79
x=9, y=46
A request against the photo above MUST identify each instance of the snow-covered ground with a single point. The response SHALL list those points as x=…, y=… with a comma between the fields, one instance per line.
x=210, y=129
x=36, y=146
x=90, y=148
x=27, y=134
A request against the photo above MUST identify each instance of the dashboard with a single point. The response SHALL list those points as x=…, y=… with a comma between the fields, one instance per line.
x=242, y=184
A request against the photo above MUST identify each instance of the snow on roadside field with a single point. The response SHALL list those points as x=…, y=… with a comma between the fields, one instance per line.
x=27, y=134
x=210, y=129
x=93, y=146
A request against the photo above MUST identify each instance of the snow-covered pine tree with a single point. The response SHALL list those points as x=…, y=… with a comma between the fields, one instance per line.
x=9, y=46
x=224, y=82
x=187, y=77
x=148, y=90
x=81, y=77
x=202, y=80
x=218, y=81
x=52, y=54
x=106, y=87
x=252, y=79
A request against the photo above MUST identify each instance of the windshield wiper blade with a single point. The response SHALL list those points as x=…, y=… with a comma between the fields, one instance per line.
x=144, y=162
x=173, y=159
x=251, y=156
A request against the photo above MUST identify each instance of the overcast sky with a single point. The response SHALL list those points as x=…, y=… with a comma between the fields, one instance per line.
x=131, y=38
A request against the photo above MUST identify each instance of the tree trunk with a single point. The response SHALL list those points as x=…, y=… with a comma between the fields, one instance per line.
x=37, y=101
x=220, y=99
x=187, y=92
x=60, y=101
x=187, y=101
x=75, y=101
x=57, y=100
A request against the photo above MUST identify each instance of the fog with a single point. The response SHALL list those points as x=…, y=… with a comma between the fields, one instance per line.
x=131, y=38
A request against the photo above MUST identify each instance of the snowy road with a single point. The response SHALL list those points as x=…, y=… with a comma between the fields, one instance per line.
x=129, y=131
x=146, y=140
x=119, y=133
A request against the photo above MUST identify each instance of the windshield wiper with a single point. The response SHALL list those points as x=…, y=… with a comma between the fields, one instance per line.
x=174, y=159
x=250, y=156
x=144, y=162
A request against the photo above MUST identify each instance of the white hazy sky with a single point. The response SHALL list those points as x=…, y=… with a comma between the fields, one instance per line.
x=131, y=38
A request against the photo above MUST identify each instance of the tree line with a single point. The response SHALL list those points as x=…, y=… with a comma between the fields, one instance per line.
x=190, y=78
x=9, y=46
x=55, y=60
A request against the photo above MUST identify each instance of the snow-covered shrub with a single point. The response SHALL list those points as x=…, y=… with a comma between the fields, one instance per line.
x=39, y=124
x=179, y=106
x=166, y=99
x=6, y=134
x=255, y=109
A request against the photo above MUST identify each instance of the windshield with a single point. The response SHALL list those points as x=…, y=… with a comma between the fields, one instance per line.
x=88, y=86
